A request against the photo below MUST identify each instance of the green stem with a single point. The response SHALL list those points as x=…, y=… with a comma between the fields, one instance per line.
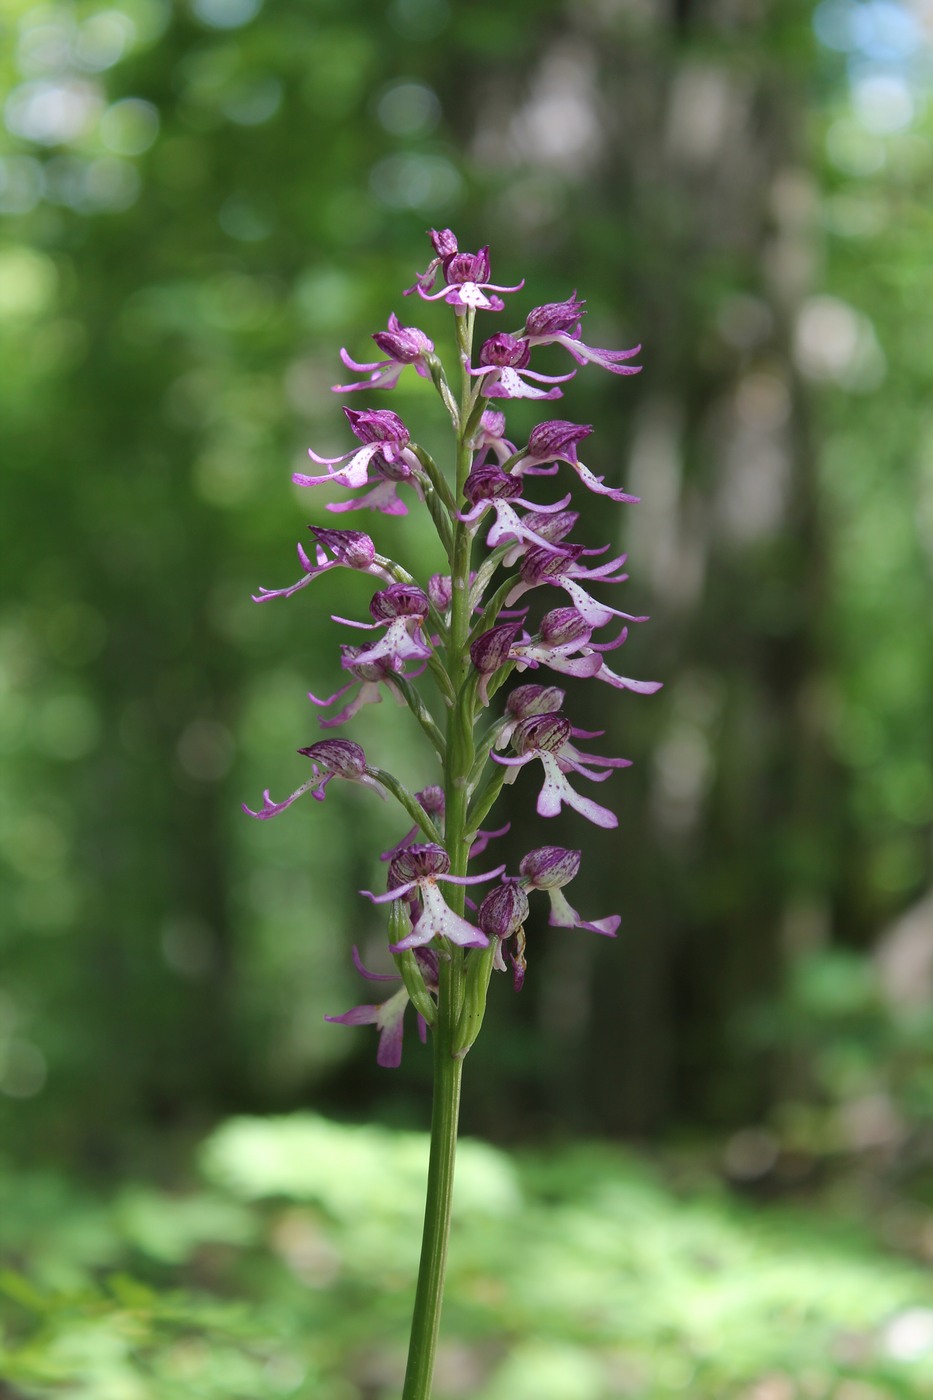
x=444, y=1121
x=450, y=993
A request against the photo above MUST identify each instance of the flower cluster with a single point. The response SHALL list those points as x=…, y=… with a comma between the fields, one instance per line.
x=461, y=634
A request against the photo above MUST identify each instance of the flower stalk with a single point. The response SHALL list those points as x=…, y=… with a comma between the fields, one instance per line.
x=461, y=634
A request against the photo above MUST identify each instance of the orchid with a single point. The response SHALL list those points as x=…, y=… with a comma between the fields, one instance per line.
x=385, y=448
x=459, y=634
x=466, y=275
x=560, y=322
x=367, y=679
x=564, y=644
x=562, y=569
x=404, y=345
x=547, y=738
x=550, y=868
x=489, y=486
x=503, y=368
x=402, y=610
x=556, y=441
x=415, y=873
x=331, y=758
x=351, y=549
x=490, y=437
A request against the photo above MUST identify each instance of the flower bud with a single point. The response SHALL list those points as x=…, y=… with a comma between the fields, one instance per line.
x=491, y=483
x=556, y=438
x=549, y=867
x=491, y=649
x=527, y=700
x=561, y=626
x=398, y=600
x=555, y=317
x=504, y=910
x=493, y=423
x=352, y=548
x=505, y=350
x=341, y=757
x=432, y=800
x=444, y=241
x=440, y=591
x=377, y=425
x=418, y=863
x=541, y=733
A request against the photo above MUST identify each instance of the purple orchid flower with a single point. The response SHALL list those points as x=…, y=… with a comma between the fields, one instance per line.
x=330, y=758
x=404, y=345
x=543, y=566
x=562, y=632
x=547, y=737
x=525, y=701
x=414, y=874
x=550, y=868
x=402, y=609
x=490, y=652
x=466, y=275
x=560, y=323
x=503, y=363
x=504, y=909
x=368, y=677
x=385, y=448
x=532, y=543
x=501, y=916
x=388, y=1016
x=563, y=644
x=552, y=529
x=556, y=441
x=351, y=549
x=489, y=486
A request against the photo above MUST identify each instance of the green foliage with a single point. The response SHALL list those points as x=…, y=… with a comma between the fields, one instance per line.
x=575, y=1275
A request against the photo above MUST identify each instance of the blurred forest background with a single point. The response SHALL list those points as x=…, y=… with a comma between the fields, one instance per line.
x=202, y=201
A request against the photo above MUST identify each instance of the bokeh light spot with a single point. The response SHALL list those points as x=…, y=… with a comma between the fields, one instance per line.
x=226, y=14
x=130, y=126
